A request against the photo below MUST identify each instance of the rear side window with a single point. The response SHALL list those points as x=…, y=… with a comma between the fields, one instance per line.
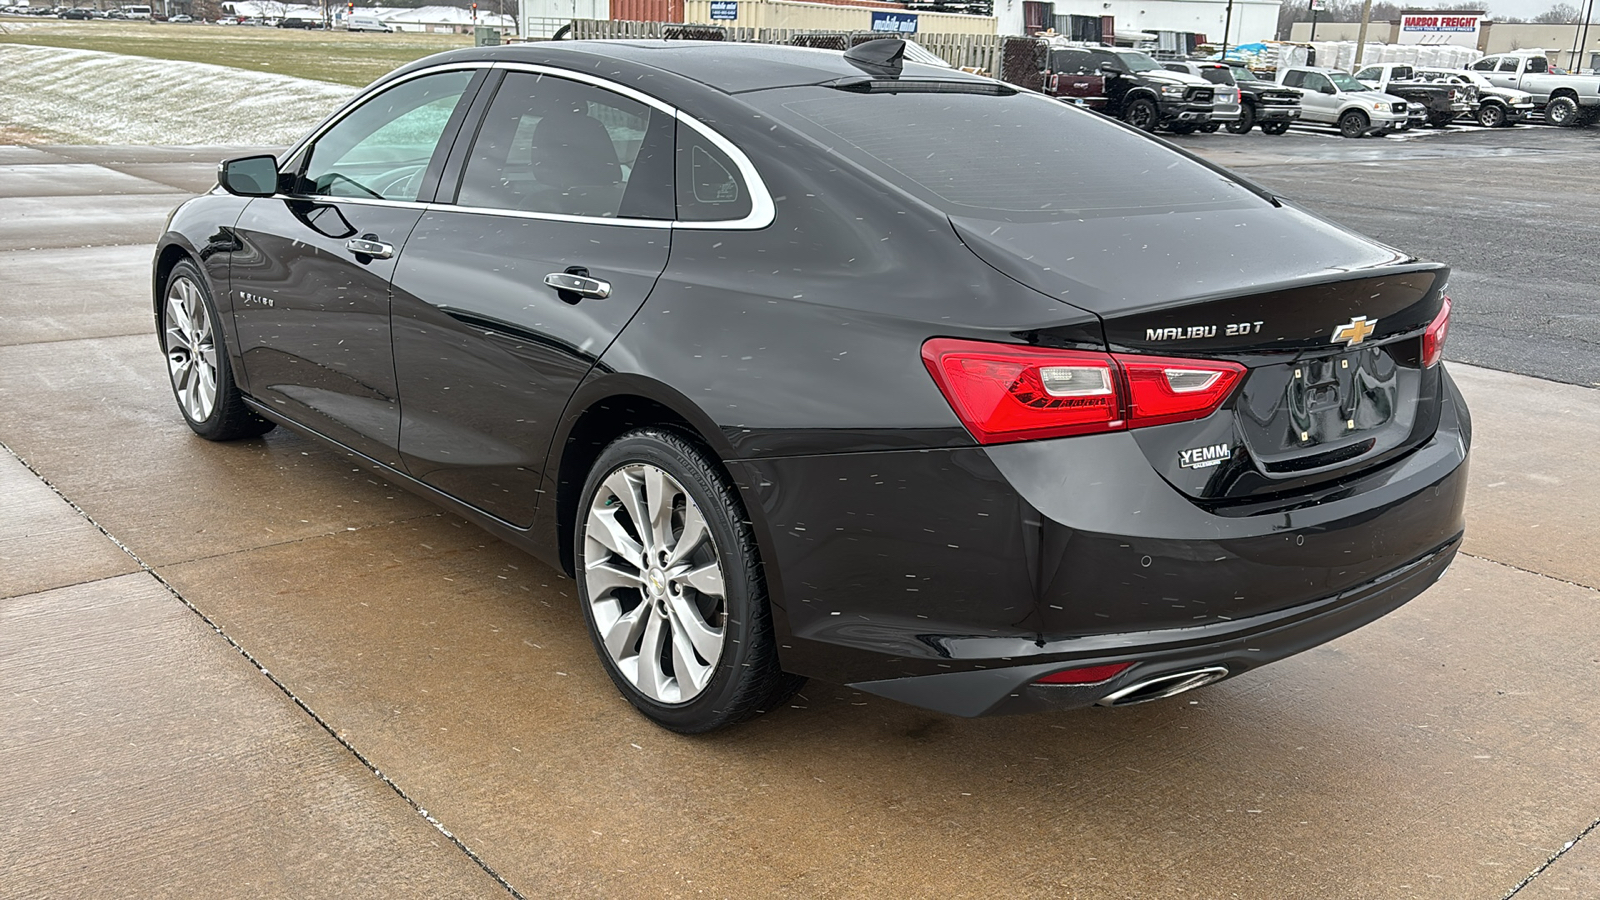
x=1017, y=158
x=1509, y=64
x=709, y=186
x=551, y=145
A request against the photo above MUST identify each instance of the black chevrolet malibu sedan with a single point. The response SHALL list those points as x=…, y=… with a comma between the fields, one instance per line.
x=816, y=364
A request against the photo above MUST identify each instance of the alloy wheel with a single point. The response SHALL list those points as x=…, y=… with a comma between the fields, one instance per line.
x=654, y=583
x=191, y=345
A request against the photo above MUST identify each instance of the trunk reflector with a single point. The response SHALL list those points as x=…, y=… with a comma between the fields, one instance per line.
x=1090, y=675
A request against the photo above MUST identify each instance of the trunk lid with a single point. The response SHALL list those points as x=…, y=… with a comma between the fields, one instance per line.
x=1329, y=325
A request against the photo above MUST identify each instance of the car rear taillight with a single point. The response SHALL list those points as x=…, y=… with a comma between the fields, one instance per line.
x=1090, y=675
x=1433, y=339
x=1009, y=392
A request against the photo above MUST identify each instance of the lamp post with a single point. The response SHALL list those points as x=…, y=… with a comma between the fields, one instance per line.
x=1227, y=25
x=1316, y=7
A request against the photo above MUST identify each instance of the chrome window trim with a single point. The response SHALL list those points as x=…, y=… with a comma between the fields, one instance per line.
x=762, y=208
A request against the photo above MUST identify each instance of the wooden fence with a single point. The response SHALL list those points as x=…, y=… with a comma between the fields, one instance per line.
x=970, y=51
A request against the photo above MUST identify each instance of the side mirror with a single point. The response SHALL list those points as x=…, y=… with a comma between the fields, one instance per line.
x=1327, y=89
x=249, y=176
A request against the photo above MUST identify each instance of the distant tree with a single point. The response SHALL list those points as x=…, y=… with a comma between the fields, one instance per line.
x=1559, y=14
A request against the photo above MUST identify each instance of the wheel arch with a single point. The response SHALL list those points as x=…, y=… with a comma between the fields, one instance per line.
x=603, y=409
x=1567, y=92
x=169, y=253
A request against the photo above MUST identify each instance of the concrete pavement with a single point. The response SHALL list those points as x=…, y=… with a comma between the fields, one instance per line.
x=248, y=669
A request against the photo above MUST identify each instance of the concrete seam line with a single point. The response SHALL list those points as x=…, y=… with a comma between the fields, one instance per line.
x=279, y=684
x=1553, y=857
x=1516, y=568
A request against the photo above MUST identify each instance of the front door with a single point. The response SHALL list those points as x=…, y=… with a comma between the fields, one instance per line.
x=311, y=280
x=505, y=299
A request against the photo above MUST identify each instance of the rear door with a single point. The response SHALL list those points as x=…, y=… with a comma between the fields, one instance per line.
x=555, y=222
x=311, y=275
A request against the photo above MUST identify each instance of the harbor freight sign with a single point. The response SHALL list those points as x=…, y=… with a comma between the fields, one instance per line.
x=727, y=10
x=894, y=22
x=1452, y=27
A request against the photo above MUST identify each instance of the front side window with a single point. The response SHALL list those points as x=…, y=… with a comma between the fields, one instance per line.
x=551, y=145
x=382, y=149
x=1316, y=82
x=1486, y=64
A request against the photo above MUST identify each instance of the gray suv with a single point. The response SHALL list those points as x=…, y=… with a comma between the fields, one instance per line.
x=1225, y=107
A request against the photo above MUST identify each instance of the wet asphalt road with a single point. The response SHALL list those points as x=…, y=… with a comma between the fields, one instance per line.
x=255, y=669
x=1512, y=210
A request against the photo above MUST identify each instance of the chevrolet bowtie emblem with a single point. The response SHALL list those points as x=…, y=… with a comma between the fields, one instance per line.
x=1355, y=331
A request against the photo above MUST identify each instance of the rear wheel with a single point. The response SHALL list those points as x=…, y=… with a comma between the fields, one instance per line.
x=1247, y=120
x=197, y=361
x=1354, y=123
x=1210, y=127
x=670, y=583
x=1562, y=112
x=1491, y=115
x=1274, y=127
x=1141, y=114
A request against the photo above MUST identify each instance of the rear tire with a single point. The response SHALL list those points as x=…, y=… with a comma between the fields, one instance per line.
x=1247, y=120
x=1142, y=114
x=1274, y=127
x=1210, y=127
x=197, y=361
x=1562, y=112
x=1491, y=115
x=1354, y=123
x=671, y=586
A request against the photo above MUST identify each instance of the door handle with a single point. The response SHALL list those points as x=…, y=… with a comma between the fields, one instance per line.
x=582, y=285
x=369, y=245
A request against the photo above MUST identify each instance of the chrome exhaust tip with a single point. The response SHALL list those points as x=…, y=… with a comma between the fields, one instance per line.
x=1163, y=686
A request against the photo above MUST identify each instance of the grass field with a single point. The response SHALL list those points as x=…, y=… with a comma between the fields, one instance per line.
x=336, y=56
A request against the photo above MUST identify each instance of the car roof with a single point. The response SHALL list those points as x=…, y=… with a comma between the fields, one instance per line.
x=728, y=66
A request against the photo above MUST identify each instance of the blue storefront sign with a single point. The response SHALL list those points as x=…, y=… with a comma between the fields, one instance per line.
x=893, y=22
x=727, y=10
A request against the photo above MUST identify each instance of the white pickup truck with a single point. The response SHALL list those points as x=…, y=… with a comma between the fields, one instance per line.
x=1567, y=100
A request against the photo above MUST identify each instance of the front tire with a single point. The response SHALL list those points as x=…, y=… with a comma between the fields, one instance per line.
x=197, y=361
x=1562, y=112
x=671, y=586
x=1247, y=120
x=1354, y=123
x=1142, y=114
x=1491, y=115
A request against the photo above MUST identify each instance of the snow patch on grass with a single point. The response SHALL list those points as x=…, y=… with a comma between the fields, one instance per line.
x=106, y=98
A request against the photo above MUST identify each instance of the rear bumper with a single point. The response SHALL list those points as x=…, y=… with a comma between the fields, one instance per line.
x=1236, y=648
x=898, y=571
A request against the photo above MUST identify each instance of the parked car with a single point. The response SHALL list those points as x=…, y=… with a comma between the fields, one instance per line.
x=365, y=23
x=298, y=22
x=1129, y=85
x=1565, y=100
x=1226, y=107
x=1274, y=107
x=1007, y=418
x=1441, y=103
x=78, y=14
x=181, y=19
x=1492, y=106
x=1331, y=97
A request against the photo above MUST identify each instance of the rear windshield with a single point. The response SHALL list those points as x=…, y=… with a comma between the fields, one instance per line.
x=1021, y=158
x=1216, y=75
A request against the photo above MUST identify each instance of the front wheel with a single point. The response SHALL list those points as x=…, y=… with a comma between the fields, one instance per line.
x=1247, y=120
x=1274, y=127
x=1562, y=112
x=1142, y=114
x=1354, y=123
x=1491, y=115
x=197, y=361
x=671, y=585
